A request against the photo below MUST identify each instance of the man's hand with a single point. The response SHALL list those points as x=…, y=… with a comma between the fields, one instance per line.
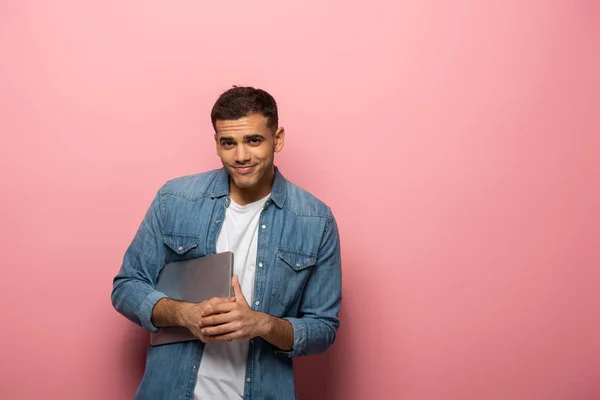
x=227, y=321
x=168, y=312
x=192, y=313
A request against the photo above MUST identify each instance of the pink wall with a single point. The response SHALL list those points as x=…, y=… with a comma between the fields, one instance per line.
x=457, y=143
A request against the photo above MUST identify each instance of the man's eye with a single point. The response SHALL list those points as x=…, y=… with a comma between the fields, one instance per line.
x=255, y=141
x=227, y=144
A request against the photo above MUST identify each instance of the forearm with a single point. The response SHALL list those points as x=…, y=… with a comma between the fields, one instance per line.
x=169, y=312
x=278, y=332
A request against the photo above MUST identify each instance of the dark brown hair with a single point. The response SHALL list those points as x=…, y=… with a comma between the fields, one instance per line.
x=242, y=101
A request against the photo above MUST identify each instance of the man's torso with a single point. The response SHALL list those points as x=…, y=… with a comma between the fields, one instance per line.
x=289, y=233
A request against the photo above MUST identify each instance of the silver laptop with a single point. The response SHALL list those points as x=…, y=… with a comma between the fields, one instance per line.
x=193, y=281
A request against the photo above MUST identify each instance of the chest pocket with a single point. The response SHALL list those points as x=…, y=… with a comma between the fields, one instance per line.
x=182, y=246
x=291, y=272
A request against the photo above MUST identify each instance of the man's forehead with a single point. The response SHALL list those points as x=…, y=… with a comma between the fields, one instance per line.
x=254, y=123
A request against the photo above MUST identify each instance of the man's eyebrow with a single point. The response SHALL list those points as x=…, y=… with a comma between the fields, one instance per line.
x=254, y=136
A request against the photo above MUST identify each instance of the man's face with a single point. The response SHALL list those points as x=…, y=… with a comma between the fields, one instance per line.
x=246, y=147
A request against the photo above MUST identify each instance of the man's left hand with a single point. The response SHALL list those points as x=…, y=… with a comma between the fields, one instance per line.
x=236, y=320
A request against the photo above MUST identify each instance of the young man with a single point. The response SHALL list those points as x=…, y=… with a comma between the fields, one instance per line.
x=287, y=281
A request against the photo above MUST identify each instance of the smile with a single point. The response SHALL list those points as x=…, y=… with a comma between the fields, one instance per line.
x=244, y=170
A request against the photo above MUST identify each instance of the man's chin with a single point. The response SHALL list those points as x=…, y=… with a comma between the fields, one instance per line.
x=243, y=183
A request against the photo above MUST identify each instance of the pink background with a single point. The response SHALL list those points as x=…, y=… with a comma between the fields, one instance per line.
x=457, y=143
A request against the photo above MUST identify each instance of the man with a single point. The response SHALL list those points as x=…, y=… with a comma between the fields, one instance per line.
x=287, y=267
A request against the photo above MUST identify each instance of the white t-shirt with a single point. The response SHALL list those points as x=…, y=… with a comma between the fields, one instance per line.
x=223, y=367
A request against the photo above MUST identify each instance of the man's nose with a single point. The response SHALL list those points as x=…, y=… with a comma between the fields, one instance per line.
x=241, y=154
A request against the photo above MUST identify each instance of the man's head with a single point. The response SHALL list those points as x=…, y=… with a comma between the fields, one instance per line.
x=247, y=134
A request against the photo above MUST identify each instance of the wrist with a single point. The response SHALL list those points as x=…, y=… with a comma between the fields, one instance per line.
x=277, y=331
x=265, y=324
x=182, y=314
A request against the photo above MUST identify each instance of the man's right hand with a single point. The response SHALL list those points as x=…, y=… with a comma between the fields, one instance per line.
x=191, y=313
x=168, y=312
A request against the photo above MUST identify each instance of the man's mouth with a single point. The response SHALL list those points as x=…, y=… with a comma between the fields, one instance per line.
x=244, y=169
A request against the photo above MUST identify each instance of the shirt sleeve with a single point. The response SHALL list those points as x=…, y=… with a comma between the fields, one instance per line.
x=317, y=322
x=133, y=294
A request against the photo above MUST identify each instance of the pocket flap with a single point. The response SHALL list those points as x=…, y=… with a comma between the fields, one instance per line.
x=297, y=260
x=181, y=243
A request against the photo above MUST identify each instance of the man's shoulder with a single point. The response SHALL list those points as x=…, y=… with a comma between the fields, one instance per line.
x=192, y=186
x=303, y=203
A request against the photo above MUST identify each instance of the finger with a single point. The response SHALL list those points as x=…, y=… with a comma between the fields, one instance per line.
x=218, y=300
x=220, y=329
x=237, y=290
x=214, y=320
x=218, y=309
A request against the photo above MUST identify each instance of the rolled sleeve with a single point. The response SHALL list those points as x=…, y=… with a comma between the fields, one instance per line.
x=145, y=311
x=300, y=338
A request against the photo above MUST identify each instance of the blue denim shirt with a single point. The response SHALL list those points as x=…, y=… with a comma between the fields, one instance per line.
x=300, y=279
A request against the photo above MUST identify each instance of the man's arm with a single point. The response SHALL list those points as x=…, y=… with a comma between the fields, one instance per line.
x=167, y=312
x=133, y=293
x=317, y=323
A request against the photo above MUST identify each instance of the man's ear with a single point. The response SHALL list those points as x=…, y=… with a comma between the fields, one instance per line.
x=279, y=138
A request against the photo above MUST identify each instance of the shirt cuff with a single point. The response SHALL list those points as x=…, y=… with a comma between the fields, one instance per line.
x=300, y=336
x=145, y=311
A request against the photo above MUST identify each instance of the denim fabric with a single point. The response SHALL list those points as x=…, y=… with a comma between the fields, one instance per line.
x=299, y=280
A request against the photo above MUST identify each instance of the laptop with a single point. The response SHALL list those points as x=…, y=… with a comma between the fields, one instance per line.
x=193, y=281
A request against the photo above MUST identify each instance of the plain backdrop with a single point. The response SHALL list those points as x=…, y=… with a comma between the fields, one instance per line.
x=457, y=143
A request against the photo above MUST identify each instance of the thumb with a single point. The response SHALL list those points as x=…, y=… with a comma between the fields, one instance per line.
x=237, y=290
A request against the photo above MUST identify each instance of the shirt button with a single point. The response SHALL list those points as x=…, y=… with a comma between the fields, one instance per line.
x=257, y=302
x=248, y=380
x=264, y=227
x=180, y=248
x=218, y=221
x=260, y=265
x=194, y=367
x=297, y=264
